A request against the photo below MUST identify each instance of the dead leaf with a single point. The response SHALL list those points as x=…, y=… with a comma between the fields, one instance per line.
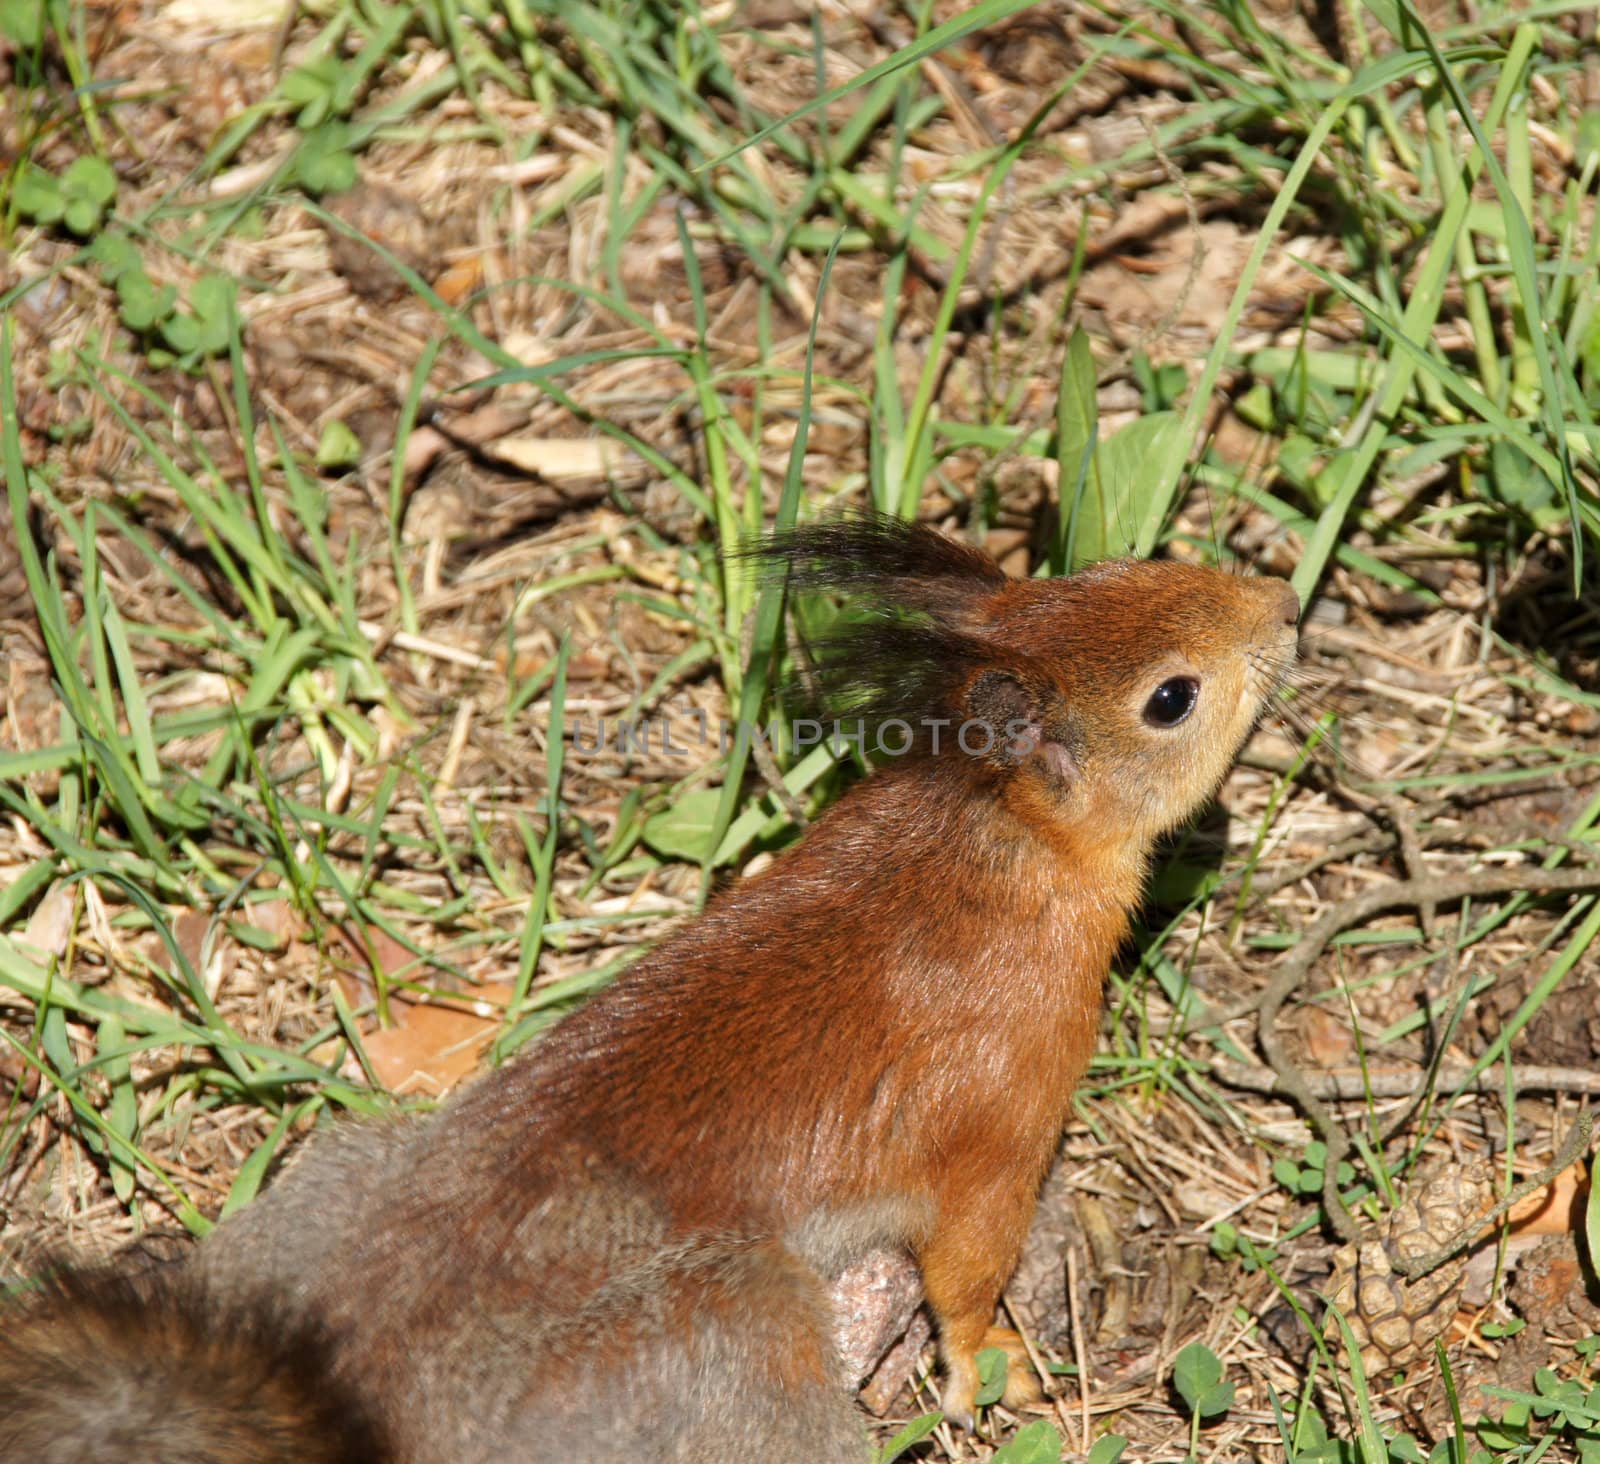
x=211, y=16
x=362, y=956
x=455, y=282
x=434, y=1044
x=1555, y=1209
x=1327, y=1037
x=434, y=1039
x=560, y=458
x=50, y=925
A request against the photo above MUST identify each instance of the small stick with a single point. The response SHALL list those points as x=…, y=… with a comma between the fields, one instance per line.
x=1351, y=1085
x=1080, y=1353
x=767, y=766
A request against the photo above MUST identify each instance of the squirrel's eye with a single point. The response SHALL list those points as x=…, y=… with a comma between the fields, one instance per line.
x=1172, y=701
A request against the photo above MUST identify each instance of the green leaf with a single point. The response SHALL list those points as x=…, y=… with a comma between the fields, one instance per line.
x=212, y=299
x=38, y=195
x=114, y=252
x=247, y=1182
x=312, y=88
x=913, y=1433
x=77, y=198
x=122, y=1111
x=143, y=304
x=1197, y=1375
x=1106, y=1449
x=1119, y=498
x=1077, y=423
x=203, y=330
x=1369, y=1438
x=1255, y=407
x=991, y=1376
x=22, y=21
x=1159, y=386
x=1216, y=1399
x=182, y=333
x=684, y=831
x=1034, y=1443
x=256, y=937
x=1308, y=1433
x=1287, y=1173
x=90, y=178
x=1588, y=140
x=81, y=216
x=1519, y=483
x=323, y=161
x=338, y=447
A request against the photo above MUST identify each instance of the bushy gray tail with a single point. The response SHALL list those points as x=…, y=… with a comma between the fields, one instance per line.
x=98, y=1367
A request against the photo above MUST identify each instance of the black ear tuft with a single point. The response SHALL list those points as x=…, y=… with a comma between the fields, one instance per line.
x=909, y=645
x=905, y=564
x=921, y=644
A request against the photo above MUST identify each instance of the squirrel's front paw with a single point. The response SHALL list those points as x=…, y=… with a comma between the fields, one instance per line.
x=1023, y=1388
x=959, y=1403
x=959, y=1400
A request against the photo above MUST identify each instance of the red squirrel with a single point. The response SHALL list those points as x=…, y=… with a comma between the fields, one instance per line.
x=619, y=1246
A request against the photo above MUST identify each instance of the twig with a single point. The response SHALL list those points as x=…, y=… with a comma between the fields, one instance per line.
x=1080, y=1351
x=772, y=775
x=1351, y=1085
x=1400, y=816
x=1440, y=836
x=1374, y=841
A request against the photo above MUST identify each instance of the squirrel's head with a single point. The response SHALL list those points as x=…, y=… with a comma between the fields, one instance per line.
x=1119, y=693
x=1135, y=682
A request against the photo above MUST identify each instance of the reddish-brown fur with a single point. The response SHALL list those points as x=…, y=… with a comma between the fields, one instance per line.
x=620, y=1244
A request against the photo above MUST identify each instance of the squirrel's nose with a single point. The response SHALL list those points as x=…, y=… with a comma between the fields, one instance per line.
x=1286, y=604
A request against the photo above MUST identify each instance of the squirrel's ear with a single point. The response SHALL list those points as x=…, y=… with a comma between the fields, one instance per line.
x=1013, y=711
